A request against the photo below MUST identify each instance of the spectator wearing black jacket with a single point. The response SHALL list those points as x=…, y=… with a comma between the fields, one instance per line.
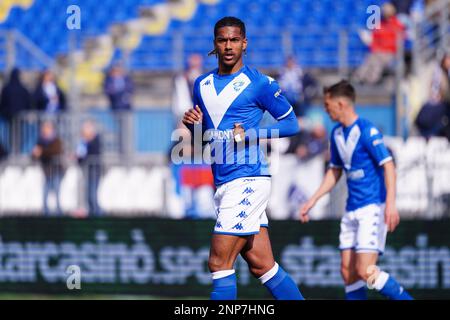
x=118, y=86
x=88, y=155
x=14, y=99
x=48, y=97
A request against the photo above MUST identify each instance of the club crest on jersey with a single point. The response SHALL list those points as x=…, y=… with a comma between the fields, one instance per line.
x=238, y=85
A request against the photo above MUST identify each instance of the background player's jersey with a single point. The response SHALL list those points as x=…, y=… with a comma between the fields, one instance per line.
x=359, y=149
x=242, y=98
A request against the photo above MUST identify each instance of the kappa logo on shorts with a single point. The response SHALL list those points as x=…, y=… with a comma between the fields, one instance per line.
x=219, y=225
x=243, y=214
x=245, y=202
x=238, y=226
x=248, y=190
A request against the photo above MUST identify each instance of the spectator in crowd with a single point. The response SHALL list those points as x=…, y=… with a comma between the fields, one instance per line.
x=383, y=47
x=48, y=97
x=184, y=84
x=14, y=99
x=3, y=152
x=118, y=86
x=88, y=155
x=308, y=144
x=403, y=7
x=298, y=86
x=433, y=118
x=49, y=150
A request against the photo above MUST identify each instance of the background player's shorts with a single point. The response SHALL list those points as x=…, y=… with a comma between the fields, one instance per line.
x=364, y=229
x=241, y=206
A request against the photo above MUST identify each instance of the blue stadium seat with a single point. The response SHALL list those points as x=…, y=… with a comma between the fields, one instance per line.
x=266, y=20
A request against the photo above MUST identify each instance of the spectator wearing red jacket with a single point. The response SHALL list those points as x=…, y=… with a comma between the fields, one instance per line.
x=383, y=47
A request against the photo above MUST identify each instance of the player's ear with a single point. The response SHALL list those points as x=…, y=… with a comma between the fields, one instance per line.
x=244, y=44
x=340, y=103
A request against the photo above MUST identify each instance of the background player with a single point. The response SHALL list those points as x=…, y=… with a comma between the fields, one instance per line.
x=358, y=148
x=230, y=102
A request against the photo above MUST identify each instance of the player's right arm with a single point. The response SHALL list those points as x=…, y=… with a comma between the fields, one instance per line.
x=329, y=181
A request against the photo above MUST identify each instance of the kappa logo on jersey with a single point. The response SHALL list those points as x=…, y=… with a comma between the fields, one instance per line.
x=248, y=190
x=243, y=214
x=238, y=226
x=245, y=202
x=238, y=85
x=207, y=83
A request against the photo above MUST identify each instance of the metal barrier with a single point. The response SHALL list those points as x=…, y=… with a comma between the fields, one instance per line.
x=125, y=135
x=431, y=33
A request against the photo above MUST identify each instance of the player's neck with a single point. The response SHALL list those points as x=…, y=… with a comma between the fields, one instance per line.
x=225, y=70
x=349, y=119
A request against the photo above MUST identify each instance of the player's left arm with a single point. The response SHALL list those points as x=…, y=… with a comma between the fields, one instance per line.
x=392, y=218
x=375, y=145
x=271, y=99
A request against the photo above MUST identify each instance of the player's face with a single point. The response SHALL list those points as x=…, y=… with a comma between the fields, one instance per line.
x=332, y=107
x=229, y=44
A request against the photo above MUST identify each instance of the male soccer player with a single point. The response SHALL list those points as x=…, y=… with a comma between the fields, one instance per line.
x=229, y=104
x=358, y=148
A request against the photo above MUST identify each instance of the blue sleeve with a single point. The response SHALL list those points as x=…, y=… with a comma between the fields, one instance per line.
x=271, y=99
x=373, y=141
x=286, y=127
x=335, y=159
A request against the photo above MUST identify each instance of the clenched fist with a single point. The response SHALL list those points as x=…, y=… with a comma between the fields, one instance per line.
x=193, y=116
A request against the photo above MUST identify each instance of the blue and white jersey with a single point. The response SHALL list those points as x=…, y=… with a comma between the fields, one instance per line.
x=242, y=97
x=359, y=149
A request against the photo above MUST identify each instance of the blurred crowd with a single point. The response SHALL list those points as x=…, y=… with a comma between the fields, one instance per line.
x=193, y=182
x=49, y=101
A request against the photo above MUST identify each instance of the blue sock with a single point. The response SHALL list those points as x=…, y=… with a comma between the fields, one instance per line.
x=224, y=285
x=280, y=284
x=390, y=288
x=356, y=291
